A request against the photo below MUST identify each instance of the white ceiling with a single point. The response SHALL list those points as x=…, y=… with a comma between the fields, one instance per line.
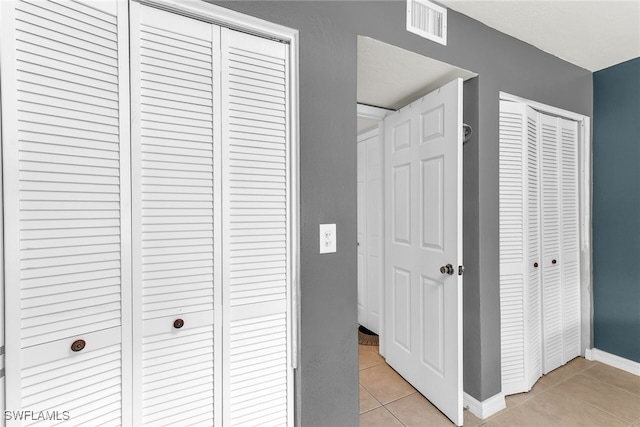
x=588, y=33
x=591, y=34
x=391, y=77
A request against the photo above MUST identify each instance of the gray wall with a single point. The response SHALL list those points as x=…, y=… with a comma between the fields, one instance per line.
x=616, y=208
x=328, y=375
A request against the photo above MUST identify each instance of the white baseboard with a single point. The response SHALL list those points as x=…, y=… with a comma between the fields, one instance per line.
x=486, y=408
x=612, y=360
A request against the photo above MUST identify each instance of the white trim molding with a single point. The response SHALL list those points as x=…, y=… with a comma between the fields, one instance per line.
x=219, y=15
x=373, y=113
x=627, y=365
x=486, y=408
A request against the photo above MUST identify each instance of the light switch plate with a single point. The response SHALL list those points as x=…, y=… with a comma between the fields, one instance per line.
x=327, y=238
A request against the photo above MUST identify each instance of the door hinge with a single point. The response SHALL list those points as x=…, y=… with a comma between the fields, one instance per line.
x=460, y=270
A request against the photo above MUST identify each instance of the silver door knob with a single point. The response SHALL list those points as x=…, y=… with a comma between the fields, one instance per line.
x=447, y=269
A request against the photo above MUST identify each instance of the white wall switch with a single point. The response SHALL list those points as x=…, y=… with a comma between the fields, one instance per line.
x=327, y=238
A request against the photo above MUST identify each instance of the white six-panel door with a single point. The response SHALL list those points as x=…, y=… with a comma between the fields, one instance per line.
x=423, y=191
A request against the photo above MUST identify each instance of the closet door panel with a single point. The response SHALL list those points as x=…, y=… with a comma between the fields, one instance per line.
x=552, y=345
x=513, y=227
x=256, y=285
x=533, y=308
x=174, y=65
x=569, y=158
x=66, y=210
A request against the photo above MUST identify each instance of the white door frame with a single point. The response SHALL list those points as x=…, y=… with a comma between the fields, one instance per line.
x=378, y=114
x=584, y=179
x=2, y=311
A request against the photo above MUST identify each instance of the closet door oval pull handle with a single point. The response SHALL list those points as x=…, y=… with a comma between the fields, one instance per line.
x=78, y=345
x=553, y=261
x=178, y=323
x=535, y=265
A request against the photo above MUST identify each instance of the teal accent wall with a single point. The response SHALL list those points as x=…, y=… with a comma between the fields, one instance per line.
x=616, y=209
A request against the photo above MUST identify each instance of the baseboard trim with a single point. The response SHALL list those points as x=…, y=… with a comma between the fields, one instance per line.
x=486, y=408
x=612, y=360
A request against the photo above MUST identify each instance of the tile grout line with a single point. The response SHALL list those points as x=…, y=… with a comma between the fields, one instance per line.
x=571, y=397
x=612, y=385
x=374, y=398
x=584, y=374
x=394, y=415
x=372, y=409
x=402, y=397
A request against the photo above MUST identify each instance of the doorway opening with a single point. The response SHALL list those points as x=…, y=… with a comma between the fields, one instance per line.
x=409, y=102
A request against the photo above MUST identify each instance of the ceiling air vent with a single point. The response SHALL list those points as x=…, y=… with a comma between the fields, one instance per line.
x=428, y=20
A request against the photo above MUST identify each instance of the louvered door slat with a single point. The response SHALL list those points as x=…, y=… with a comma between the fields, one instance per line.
x=65, y=81
x=78, y=15
x=173, y=90
x=255, y=156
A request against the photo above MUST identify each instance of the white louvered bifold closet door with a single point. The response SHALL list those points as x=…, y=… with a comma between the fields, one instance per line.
x=560, y=261
x=256, y=266
x=512, y=220
x=518, y=285
x=211, y=223
x=66, y=209
x=175, y=68
x=570, y=252
x=539, y=244
x=551, y=243
x=533, y=308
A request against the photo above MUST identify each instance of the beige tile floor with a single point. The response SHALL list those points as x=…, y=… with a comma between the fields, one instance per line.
x=581, y=393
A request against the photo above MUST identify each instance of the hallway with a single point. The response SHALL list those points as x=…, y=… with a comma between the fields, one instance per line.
x=581, y=393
